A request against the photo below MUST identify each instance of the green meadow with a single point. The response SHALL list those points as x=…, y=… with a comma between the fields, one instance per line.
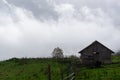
x=37, y=69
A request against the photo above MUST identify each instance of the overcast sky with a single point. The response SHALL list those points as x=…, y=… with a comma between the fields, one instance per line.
x=33, y=28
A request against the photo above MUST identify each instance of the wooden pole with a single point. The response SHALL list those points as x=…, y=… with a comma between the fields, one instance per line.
x=61, y=72
x=49, y=72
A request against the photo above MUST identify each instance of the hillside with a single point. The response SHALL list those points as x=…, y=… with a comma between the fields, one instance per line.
x=37, y=69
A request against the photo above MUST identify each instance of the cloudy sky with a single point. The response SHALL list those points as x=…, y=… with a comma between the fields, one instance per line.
x=33, y=28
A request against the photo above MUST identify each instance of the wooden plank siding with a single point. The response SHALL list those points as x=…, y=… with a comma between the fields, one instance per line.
x=97, y=51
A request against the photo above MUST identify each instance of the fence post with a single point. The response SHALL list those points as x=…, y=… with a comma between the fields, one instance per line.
x=61, y=72
x=49, y=72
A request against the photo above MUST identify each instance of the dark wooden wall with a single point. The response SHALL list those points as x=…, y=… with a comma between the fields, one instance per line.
x=104, y=53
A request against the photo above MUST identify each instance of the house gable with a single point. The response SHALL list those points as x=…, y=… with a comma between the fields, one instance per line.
x=95, y=46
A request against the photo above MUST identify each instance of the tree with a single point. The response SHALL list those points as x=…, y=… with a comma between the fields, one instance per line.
x=57, y=53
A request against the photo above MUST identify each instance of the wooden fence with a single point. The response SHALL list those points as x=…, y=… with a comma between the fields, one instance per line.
x=69, y=77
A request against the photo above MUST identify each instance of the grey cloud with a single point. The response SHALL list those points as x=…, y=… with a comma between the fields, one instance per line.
x=3, y=7
x=78, y=24
x=110, y=7
x=41, y=9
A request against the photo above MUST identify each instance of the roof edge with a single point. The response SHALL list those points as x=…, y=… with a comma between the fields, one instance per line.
x=92, y=44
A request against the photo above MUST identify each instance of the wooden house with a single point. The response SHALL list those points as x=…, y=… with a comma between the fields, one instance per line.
x=96, y=52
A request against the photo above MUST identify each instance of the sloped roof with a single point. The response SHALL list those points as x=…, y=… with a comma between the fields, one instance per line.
x=98, y=43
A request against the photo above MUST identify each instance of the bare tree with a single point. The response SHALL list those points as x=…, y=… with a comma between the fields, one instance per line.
x=57, y=53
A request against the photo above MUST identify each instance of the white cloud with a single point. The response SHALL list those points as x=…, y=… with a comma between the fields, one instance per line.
x=22, y=35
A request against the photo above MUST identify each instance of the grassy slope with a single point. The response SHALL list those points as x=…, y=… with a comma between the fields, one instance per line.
x=36, y=69
x=29, y=69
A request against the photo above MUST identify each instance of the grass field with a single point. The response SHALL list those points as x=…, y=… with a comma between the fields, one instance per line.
x=37, y=69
